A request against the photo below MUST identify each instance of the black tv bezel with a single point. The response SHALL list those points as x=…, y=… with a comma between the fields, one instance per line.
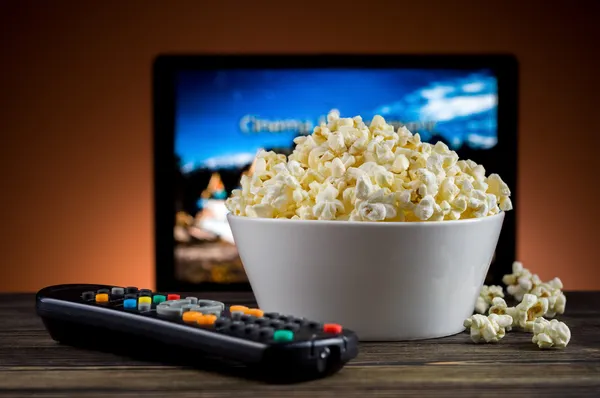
x=164, y=72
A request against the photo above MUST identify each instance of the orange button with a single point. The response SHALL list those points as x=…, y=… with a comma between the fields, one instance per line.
x=255, y=312
x=102, y=298
x=238, y=308
x=206, y=319
x=332, y=328
x=191, y=316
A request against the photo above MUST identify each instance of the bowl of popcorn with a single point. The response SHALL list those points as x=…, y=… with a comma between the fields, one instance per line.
x=367, y=226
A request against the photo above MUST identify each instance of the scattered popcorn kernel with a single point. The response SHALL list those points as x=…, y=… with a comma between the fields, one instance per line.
x=550, y=334
x=528, y=310
x=519, y=282
x=522, y=281
x=489, y=329
x=556, y=298
x=486, y=295
x=499, y=307
x=346, y=170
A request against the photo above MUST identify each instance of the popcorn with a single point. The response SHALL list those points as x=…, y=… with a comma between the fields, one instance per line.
x=486, y=295
x=531, y=308
x=499, y=307
x=348, y=170
x=550, y=334
x=489, y=329
x=520, y=282
x=556, y=298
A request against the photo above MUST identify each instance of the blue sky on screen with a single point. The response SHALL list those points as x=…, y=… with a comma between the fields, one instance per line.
x=216, y=111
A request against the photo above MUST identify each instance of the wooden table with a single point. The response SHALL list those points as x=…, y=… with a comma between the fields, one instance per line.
x=33, y=364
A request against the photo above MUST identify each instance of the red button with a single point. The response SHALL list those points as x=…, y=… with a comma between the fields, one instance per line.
x=173, y=297
x=332, y=328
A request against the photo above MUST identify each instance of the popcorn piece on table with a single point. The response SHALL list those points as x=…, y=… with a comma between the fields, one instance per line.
x=520, y=282
x=557, y=300
x=489, y=329
x=486, y=295
x=550, y=334
x=348, y=170
x=499, y=307
x=528, y=310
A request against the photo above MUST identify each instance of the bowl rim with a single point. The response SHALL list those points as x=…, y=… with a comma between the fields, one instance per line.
x=386, y=224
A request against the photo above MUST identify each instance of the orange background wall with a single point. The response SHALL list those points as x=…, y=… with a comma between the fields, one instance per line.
x=76, y=117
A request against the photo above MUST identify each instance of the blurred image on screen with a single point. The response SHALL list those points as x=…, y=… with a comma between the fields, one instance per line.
x=223, y=117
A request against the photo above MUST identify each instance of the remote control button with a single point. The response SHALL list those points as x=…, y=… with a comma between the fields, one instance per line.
x=247, y=318
x=283, y=335
x=237, y=315
x=265, y=333
x=103, y=291
x=210, y=306
x=193, y=300
x=206, y=320
x=131, y=296
x=145, y=292
x=251, y=331
x=332, y=328
x=314, y=325
x=175, y=308
x=271, y=315
x=284, y=318
x=276, y=324
x=131, y=289
x=291, y=326
x=88, y=295
x=190, y=307
x=102, y=298
x=129, y=303
x=117, y=291
x=173, y=297
x=262, y=321
x=191, y=316
x=159, y=298
x=222, y=322
x=255, y=312
x=236, y=327
x=145, y=303
x=238, y=308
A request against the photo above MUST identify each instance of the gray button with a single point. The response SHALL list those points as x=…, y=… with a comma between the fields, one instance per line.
x=144, y=307
x=173, y=308
x=117, y=291
x=189, y=307
x=208, y=307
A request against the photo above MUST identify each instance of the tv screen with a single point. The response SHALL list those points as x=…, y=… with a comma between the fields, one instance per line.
x=223, y=116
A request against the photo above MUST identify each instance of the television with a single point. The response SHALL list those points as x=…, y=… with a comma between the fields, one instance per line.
x=212, y=113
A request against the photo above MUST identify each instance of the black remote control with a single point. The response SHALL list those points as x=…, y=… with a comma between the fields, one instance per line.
x=286, y=347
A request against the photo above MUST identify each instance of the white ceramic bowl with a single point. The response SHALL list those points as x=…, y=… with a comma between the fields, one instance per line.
x=385, y=281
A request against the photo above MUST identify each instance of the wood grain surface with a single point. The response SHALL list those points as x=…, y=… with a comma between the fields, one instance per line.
x=32, y=364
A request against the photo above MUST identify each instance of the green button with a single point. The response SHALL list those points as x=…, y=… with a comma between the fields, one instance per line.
x=283, y=335
x=158, y=299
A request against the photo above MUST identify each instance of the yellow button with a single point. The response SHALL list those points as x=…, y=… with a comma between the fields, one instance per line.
x=145, y=300
x=191, y=316
x=207, y=319
x=238, y=308
x=102, y=298
x=255, y=312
